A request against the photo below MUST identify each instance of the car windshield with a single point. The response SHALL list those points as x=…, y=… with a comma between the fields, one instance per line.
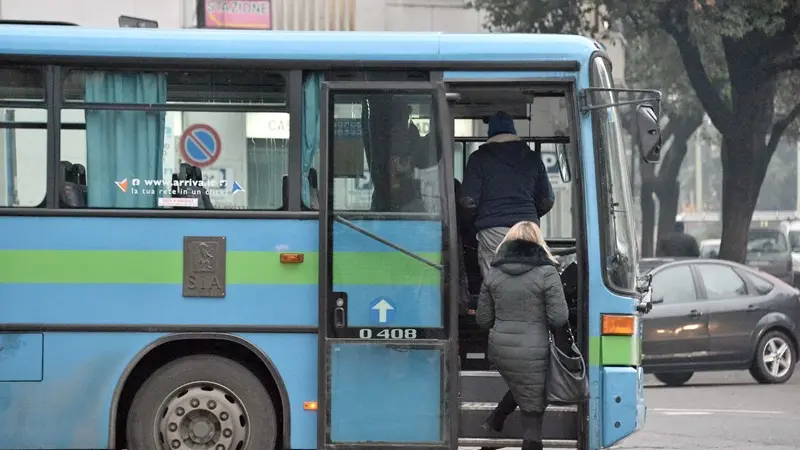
x=766, y=241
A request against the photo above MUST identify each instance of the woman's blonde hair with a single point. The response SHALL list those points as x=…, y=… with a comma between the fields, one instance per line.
x=530, y=232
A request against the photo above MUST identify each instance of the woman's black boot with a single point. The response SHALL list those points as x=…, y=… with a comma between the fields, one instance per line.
x=532, y=445
x=493, y=424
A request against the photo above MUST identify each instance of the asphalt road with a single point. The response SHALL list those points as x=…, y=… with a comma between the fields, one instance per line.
x=722, y=410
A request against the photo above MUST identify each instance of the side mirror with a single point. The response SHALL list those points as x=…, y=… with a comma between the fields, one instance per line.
x=649, y=133
x=563, y=163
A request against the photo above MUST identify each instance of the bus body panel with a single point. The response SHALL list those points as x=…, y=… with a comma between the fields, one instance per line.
x=70, y=407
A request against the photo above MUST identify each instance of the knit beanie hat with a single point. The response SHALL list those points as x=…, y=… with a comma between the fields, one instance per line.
x=501, y=123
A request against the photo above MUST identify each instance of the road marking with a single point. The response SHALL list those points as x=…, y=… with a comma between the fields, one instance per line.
x=677, y=411
x=687, y=413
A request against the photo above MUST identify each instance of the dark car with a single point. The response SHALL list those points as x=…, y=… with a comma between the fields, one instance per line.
x=768, y=250
x=718, y=315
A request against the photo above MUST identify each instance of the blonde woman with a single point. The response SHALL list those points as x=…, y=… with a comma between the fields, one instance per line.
x=520, y=299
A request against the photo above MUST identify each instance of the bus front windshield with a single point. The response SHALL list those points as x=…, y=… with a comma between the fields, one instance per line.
x=614, y=188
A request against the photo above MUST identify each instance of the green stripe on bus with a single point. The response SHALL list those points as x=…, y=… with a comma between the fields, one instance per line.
x=166, y=267
x=615, y=351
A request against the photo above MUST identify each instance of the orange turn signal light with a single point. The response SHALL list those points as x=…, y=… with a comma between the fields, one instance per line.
x=310, y=406
x=618, y=325
x=292, y=258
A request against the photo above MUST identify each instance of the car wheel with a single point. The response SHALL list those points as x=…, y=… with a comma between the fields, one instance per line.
x=775, y=359
x=202, y=401
x=674, y=379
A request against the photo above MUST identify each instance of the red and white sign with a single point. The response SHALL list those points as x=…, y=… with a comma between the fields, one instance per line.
x=241, y=14
x=200, y=145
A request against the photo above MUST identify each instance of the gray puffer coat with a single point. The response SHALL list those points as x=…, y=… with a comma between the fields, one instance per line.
x=521, y=297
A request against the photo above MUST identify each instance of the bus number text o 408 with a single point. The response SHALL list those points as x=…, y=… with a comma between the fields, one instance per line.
x=388, y=333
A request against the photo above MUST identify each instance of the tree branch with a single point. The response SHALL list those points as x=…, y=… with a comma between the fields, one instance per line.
x=668, y=130
x=677, y=25
x=786, y=65
x=780, y=127
x=781, y=47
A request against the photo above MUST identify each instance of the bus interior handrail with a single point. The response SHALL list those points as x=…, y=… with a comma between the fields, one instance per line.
x=529, y=139
x=385, y=242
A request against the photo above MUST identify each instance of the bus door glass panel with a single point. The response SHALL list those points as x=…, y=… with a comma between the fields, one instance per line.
x=387, y=347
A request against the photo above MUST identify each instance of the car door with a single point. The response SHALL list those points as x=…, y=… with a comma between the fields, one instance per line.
x=676, y=330
x=734, y=309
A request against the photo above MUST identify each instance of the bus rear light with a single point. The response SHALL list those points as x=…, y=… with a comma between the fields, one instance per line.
x=310, y=406
x=618, y=325
x=292, y=258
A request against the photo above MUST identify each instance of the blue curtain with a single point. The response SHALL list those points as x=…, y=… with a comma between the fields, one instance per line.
x=124, y=145
x=312, y=86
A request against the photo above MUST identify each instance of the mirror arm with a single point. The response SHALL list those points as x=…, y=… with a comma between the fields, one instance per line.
x=652, y=97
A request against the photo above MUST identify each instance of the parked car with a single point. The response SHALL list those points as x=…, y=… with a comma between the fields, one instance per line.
x=768, y=250
x=709, y=248
x=792, y=230
x=717, y=315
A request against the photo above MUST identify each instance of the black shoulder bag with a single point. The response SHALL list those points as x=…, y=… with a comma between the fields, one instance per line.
x=567, y=383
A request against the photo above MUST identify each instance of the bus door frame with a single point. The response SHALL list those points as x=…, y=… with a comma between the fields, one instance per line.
x=510, y=74
x=450, y=409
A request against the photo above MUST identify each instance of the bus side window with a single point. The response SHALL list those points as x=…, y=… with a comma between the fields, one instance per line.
x=237, y=142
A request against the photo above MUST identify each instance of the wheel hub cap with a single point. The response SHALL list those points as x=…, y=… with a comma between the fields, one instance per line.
x=202, y=416
x=777, y=357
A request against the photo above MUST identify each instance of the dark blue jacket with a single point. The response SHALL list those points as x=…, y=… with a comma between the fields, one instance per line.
x=507, y=183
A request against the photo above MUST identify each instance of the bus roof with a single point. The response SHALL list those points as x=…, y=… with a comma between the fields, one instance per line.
x=63, y=41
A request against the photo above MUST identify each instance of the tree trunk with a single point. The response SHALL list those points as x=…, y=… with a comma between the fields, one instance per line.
x=745, y=154
x=648, y=208
x=668, y=195
x=665, y=186
x=741, y=184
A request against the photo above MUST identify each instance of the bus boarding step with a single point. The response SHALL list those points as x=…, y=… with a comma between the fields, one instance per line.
x=560, y=422
x=482, y=386
x=502, y=443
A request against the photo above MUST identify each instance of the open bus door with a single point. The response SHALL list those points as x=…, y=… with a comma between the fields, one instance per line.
x=388, y=361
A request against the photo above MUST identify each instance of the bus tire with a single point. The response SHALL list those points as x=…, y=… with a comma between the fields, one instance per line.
x=775, y=359
x=207, y=399
x=674, y=379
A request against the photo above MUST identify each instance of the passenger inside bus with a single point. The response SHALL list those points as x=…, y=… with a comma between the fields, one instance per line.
x=505, y=183
x=407, y=147
x=72, y=182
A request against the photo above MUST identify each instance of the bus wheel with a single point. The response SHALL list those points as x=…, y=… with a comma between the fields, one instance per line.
x=774, y=360
x=674, y=379
x=202, y=402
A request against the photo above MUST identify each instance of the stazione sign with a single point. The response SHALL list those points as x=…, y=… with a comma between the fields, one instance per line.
x=237, y=14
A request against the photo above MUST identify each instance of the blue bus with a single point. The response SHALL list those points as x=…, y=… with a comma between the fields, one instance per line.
x=248, y=240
